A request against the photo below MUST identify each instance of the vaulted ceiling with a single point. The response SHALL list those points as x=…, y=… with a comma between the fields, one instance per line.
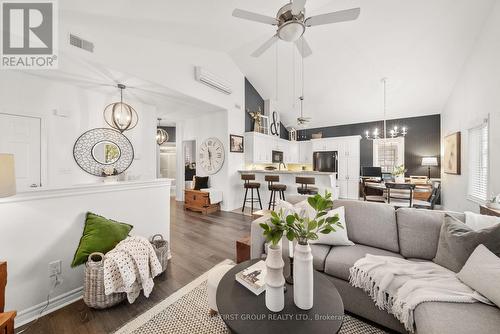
x=419, y=45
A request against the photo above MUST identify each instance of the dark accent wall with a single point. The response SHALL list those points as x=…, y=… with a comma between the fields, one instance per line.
x=253, y=101
x=423, y=139
x=171, y=133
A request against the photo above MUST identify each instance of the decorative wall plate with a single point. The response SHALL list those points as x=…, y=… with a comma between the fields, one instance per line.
x=99, y=150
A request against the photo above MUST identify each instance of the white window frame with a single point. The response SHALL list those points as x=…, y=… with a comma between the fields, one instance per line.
x=399, y=141
x=473, y=155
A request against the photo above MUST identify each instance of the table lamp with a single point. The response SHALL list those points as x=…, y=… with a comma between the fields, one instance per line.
x=429, y=162
x=7, y=175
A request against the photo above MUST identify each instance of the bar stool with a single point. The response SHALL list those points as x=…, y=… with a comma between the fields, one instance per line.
x=250, y=185
x=304, y=188
x=274, y=188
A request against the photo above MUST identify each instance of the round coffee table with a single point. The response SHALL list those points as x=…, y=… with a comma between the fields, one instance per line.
x=244, y=312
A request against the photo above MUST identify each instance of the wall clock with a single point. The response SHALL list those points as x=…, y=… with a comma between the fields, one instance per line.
x=211, y=155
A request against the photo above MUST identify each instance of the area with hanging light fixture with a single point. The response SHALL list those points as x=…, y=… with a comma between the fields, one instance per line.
x=120, y=115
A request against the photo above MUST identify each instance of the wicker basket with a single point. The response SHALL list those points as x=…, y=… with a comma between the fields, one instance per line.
x=160, y=246
x=93, y=288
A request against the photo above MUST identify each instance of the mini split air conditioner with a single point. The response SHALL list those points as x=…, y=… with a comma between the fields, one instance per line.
x=211, y=80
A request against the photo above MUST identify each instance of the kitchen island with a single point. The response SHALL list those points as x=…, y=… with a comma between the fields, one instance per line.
x=324, y=181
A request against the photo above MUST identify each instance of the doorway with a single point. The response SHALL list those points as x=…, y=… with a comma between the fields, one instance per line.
x=189, y=155
x=20, y=135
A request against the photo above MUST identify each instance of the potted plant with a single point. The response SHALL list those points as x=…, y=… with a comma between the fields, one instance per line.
x=494, y=202
x=399, y=174
x=303, y=229
x=275, y=282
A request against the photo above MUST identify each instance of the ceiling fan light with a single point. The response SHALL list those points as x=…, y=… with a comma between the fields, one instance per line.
x=291, y=31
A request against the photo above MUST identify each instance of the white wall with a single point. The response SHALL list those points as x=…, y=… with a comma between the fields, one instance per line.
x=47, y=226
x=172, y=65
x=24, y=94
x=476, y=95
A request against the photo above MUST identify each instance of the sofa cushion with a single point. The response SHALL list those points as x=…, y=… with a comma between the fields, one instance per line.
x=371, y=224
x=342, y=258
x=419, y=232
x=457, y=241
x=456, y=318
x=319, y=253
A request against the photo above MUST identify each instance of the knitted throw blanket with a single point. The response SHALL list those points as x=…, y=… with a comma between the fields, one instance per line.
x=130, y=267
x=398, y=286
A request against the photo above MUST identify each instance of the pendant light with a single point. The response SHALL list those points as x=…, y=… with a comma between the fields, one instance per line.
x=120, y=115
x=161, y=134
x=394, y=132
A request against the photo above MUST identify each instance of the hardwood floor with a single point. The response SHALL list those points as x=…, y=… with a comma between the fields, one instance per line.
x=197, y=244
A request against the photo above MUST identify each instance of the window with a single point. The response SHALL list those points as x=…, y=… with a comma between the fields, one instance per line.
x=388, y=153
x=478, y=163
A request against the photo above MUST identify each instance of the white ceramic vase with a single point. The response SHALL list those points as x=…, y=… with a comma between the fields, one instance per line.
x=275, y=282
x=303, y=281
x=400, y=179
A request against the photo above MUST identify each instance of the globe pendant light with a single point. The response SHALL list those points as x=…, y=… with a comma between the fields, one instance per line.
x=161, y=134
x=119, y=115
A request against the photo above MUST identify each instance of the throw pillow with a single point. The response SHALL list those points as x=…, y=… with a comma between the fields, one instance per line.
x=99, y=235
x=477, y=221
x=457, y=241
x=337, y=238
x=200, y=182
x=303, y=209
x=481, y=273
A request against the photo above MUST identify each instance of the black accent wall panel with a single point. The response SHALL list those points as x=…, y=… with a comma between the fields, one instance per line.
x=253, y=101
x=423, y=139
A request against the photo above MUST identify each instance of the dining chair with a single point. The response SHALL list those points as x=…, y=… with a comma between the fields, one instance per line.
x=433, y=199
x=367, y=191
x=400, y=195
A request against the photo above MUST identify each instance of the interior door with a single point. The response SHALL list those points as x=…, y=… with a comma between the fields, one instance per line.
x=20, y=136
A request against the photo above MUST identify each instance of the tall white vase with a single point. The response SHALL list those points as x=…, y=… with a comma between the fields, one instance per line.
x=275, y=282
x=303, y=281
x=399, y=178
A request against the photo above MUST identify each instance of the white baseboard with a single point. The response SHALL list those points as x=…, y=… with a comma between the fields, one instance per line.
x=30, y=314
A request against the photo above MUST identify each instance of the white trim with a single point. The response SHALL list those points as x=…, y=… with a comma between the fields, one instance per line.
x=152, y=312
x=92, y=188
x=25, y=316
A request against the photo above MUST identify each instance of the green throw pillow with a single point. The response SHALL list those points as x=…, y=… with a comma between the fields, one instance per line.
x=99, y=235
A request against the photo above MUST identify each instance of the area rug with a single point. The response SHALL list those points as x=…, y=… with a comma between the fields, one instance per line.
x=186, y=312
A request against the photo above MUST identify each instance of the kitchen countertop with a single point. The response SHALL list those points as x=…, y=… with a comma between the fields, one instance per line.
x=300, y=172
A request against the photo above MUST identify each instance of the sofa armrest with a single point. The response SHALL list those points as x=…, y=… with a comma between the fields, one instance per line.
x=257, y=239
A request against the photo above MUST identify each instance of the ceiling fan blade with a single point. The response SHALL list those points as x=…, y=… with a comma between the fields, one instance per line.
x=246, y=15
x=303, y=47
x=264, y=47
x=335, y=17
x=298, y=6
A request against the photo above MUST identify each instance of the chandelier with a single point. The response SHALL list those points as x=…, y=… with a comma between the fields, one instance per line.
x=161, y=134
x=395, y=131
x=120, y=115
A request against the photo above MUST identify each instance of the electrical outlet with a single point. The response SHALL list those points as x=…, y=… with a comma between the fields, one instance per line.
x=55, y=268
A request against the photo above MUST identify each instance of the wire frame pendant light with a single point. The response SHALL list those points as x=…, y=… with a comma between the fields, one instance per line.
x=120, y=115
x=161, y=134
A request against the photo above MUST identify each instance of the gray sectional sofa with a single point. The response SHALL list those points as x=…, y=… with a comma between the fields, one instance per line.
x=413, y=234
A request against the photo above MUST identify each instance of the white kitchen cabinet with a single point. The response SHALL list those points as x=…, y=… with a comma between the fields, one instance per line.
x=292, y=156
x=305, y=152
x=258, y=148
x=348, y=166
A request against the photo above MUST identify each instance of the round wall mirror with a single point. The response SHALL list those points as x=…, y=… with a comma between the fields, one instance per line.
x=106, y=152
x=103, y=152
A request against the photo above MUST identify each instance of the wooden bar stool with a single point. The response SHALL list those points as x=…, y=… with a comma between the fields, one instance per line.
x=305, y=188
x=274, y=188
x=250, y=185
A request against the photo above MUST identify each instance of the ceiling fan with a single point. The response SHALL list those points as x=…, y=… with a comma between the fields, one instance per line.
x=302, y=120
x=292, y=24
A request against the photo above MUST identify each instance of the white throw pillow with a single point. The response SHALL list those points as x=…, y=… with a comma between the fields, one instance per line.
x=477, y=222
x=481, y=273
x=303, y=209
x=337, y=238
